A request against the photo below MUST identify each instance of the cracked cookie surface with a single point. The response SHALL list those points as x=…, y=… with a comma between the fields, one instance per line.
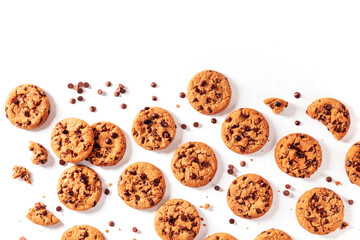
x=153, y=128
x=79, y=188
x=221, y=236
x=27, y=106
x=82, y=232
x=194, y=164
x=177, y=219
x=273, y=234
x=141, y=185
x=298, y=155
x=249, y=196
x=39, y=215
x=277, y=105
x=333, y=114
x=209, y=92
x=245, y=131
x=320, y=211
x=72, y=140
x=352, y=164
x=39, y=153
x=110, y=144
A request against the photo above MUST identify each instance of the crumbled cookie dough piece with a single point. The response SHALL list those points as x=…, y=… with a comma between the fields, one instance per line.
x=23, y=173
x=276, y=104
x=40, y=153
x=39, y=215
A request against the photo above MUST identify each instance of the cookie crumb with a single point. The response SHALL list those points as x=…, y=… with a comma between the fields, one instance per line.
x=206, y=206
x=337, y=183
x=177, y=106
x=39, y=153
x=110, y=184
x=344, y=225
x=277, y=105
x=22, y=172
x=106, y=230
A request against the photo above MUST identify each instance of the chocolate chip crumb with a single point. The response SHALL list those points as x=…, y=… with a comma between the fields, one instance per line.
x=86, y=85
x=116, y=94
x=287, y=186
x=231, y=221
x=108, y=84
x=196, y=124
x=183, y=126
x=350, y=202
x=72, y=100
x=213, y=120
x=107, y=191
x=22, y=238
x=80, y=91
x=92, y=108
x=154, y=98
x=99, y=92
x=329, y=179
x=182, y=95
x=297, y=95
x=217, y=188
x=242, y=163
x=111, y=223
x=70, y=85
x=153, y=84
x=230, y=166
x=134, y=229
x=286, y=193
x=230, y=171
x=80, y=98
x=297, y=122
x=62, y=162
x=58, y=208
x=123, y=106
x=81, y=84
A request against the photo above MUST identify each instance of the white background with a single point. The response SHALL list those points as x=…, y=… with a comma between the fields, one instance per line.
x=265, y=48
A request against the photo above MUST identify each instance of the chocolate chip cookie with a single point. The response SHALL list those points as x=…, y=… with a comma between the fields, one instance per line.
x=209, y=92
x=245, y=131
x=352, y=163
x=21, y=172
x=249, y=196
x=39, y=215
x=276, y=104
x=72, y=140
x=39, y=153
x=177, y=219
x=298, y=155
x=141, y=185
x=333, y=114
x=110, y=144
x=153, y=128
x=220, y=236
x=79, y=188
x=194, y=164
x=273, y=234
x=27, y=106
x=84, y=232
x=320, y=211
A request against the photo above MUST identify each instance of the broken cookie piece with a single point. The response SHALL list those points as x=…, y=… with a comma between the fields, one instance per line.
x=39, y=215
x=276, y=104
x=40, y=153
x=23, y=173
x=333, y=114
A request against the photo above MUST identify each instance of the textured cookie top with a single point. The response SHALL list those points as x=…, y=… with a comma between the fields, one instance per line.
x=110, y=144
x=298, y=155
x=276, y=104
x=320, y=211
x=352, y=163
x=141, y=185
x=249, y=196
x=333, y=114
x=27, y=106
x=39, y=153
x=273, y=234
x=82, y=232
x=245, y=131
x=79, y=188
x=209, y=92
x=39, y=215
x=153, y=128
x=72, y=140
x=177, y=219
x=194, y=164
x=220, y=236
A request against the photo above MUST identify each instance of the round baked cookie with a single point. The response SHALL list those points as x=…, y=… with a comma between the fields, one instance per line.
x=153, y=128
x=352, y=163
x=245, y=131
x=110, y=144
x=249, y=196
x=177, y=219
x=273, y=234
x=72, y=140
x=333, y=114
x=194, y=164
x=320, y=211
x=79, y=188
x=141, y=185
x=209, y=92
x=84, y=232
x=27, y=106
x=298, y=155
x=220, y=236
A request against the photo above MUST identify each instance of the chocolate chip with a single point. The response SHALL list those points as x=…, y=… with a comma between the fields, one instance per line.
x=80, y=98
x=153, y=84
x=108, y=84
x=142, y=175
x=327, y=106
x=126, y=193
x=242, y=163
x=230, y=171
x=196, y=124
x=182, y=95
x=329, y=179
x=183, y=126
x=107, y=191
x=183, y=218
x=22, y=238
x=350, y=202
x=58, y=208
x=134, y=229
x=81, y=84
x=192, y=175
x=70, y=85
x=263, y=184
x=62, y=162
x=72, y=100
x=154, y=98
x=122, y=90
x=348, y=163
x=230, y=166
x=217, y=188
x=297, y=122
x=64, y=131
x=213, y=120
x=123, y=106
x=287, y=186
x=114, y=135
x=99, y=92
x=228, y=119
x=80, y=91
x=286, y=193
x=231, y=221
x=237, y=138
x=86, y=85
x=166, y=135
x=108, y=141
x=92, y=108
x=116, y=94
x=297, y=95
x=202, y=83
x=111, y=223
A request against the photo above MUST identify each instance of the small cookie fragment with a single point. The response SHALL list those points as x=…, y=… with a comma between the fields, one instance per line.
x=39, y=153
x=273, y=234
x=333, y=114
x=352, y=164
x=153, y=128
x=22, y=172
x=320, y=211
x=250, y=196
x=276, y=104
x=344, y=225
x=194, y=164
x=141, y=185
x=39, y=215
x=221, y=236
x=245, y=131
x=298, y=155
x=177, y=219
x=209, y=92
x=82, y=232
